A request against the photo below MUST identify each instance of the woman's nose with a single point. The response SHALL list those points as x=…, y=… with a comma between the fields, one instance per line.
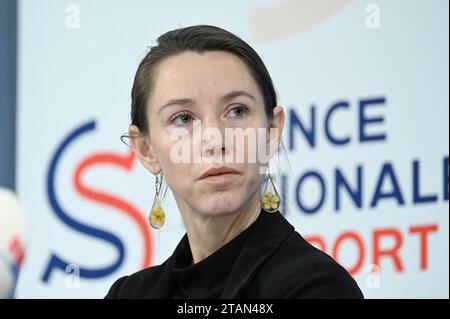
x=213, y=141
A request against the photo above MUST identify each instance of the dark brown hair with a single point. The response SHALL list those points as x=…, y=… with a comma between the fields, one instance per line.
x=200, y=38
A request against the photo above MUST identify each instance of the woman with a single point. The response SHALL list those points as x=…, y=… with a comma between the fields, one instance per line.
x=237, y=243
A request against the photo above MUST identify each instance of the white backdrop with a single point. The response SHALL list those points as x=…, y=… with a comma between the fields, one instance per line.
x=370, y=74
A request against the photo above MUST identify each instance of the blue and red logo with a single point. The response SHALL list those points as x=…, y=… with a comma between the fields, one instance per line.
x=119, y=161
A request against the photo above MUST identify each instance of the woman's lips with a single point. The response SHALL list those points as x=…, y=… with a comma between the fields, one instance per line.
x=220, y=178
x=218, y=170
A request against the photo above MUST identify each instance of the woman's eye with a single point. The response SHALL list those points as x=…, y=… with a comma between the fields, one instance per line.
x=239, y=111
x=182, y=119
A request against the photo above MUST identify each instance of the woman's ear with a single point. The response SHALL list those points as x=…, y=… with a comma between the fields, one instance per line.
x=143, y=150
x=276, y=126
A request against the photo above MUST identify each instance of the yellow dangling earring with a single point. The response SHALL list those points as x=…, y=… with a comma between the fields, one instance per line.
x=157, y=216
x=270, y=199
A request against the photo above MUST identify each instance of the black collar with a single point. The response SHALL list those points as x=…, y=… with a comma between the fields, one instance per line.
x=266, y=237
x=206, y=278
x=264, y=240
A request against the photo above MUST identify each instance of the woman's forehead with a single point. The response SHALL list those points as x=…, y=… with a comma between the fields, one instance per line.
x=194, y=73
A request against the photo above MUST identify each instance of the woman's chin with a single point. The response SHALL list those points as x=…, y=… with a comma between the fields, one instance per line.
x=220, y=207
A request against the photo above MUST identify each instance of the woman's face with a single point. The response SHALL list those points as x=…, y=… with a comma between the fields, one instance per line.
x=217, y=91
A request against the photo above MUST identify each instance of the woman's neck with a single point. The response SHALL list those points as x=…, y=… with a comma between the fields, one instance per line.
x=208, y=233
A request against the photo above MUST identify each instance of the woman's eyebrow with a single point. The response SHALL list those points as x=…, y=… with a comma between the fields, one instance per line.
x=186, y=102
x=233, y=94
x=225, y=98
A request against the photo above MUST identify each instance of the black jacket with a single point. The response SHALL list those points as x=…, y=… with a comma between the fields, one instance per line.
x=274, y=262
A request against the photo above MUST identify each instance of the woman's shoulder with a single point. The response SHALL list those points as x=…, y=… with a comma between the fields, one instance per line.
x=300, y=270
x=137, y=284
